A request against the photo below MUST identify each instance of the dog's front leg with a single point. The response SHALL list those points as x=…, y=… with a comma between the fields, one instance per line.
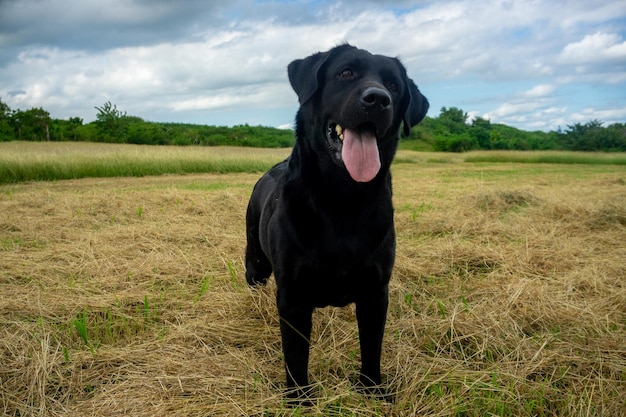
x=371, y=313
x=295, y=330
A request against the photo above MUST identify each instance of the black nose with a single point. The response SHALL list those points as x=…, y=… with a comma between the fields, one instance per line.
x=375, y=98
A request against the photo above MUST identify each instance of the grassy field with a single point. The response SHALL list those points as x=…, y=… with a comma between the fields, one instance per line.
x=548, y=157
x=47, y=161
x=126, y=296
x=50, y=161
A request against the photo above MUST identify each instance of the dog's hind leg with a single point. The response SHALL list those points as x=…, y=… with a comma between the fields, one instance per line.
x=258, y=267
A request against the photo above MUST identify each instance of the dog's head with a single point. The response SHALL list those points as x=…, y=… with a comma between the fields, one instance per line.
x=358, y=101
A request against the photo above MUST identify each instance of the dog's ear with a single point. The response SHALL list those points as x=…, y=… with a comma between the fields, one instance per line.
x=304, y=73
x=416, y=109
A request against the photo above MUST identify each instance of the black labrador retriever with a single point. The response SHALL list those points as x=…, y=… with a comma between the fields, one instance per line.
x=322, y=220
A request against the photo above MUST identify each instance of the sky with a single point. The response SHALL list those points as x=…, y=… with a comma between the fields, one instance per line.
x=531, y=64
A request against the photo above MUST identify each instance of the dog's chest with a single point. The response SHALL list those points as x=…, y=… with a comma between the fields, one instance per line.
x=338, y=249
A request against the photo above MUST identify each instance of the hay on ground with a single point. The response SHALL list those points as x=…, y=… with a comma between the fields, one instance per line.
x=128, y=297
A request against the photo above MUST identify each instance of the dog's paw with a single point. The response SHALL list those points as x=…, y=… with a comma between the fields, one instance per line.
x=299, y=397
x=255, y=280
x=376, y=390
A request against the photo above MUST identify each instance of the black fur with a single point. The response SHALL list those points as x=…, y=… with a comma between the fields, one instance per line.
x=328, y=238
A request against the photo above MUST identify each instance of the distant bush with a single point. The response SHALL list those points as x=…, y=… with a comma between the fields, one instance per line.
x=137, y=131
x=455, y=143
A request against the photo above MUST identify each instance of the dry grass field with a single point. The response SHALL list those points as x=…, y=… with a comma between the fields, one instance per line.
x=126, y=296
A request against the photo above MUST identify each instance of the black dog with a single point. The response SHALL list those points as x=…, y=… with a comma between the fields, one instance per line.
x=322, y=220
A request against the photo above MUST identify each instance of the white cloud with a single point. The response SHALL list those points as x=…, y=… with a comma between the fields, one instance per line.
x=616, y=115
x=533, y=108
x=509, y=60
x=595, y=47
x=541, y=90
x=515, y=109
x=268, y=96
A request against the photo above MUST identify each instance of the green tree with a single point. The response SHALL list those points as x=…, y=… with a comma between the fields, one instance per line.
x=63, y=130
x=75, y=123
x=454, y=119
x=497, y=141
x=112, y=123
x=616, y=137
x=33, y=124
x=480, y=131
x=590, y=136
x=6, y=129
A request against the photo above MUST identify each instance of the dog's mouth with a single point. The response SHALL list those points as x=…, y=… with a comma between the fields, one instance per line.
x=357, y=148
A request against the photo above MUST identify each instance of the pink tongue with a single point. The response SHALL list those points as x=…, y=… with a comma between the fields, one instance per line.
x=360, y=155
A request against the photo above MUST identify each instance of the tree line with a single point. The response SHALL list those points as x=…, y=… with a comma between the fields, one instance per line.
x=450, y=131
x=115, y=126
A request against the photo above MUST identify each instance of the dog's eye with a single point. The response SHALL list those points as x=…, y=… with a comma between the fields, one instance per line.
x=346, y=73
x=393, y=87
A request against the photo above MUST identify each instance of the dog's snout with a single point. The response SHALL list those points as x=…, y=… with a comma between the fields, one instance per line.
x=376, y=98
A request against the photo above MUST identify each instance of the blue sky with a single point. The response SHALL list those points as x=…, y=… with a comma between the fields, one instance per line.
x=535, y=65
